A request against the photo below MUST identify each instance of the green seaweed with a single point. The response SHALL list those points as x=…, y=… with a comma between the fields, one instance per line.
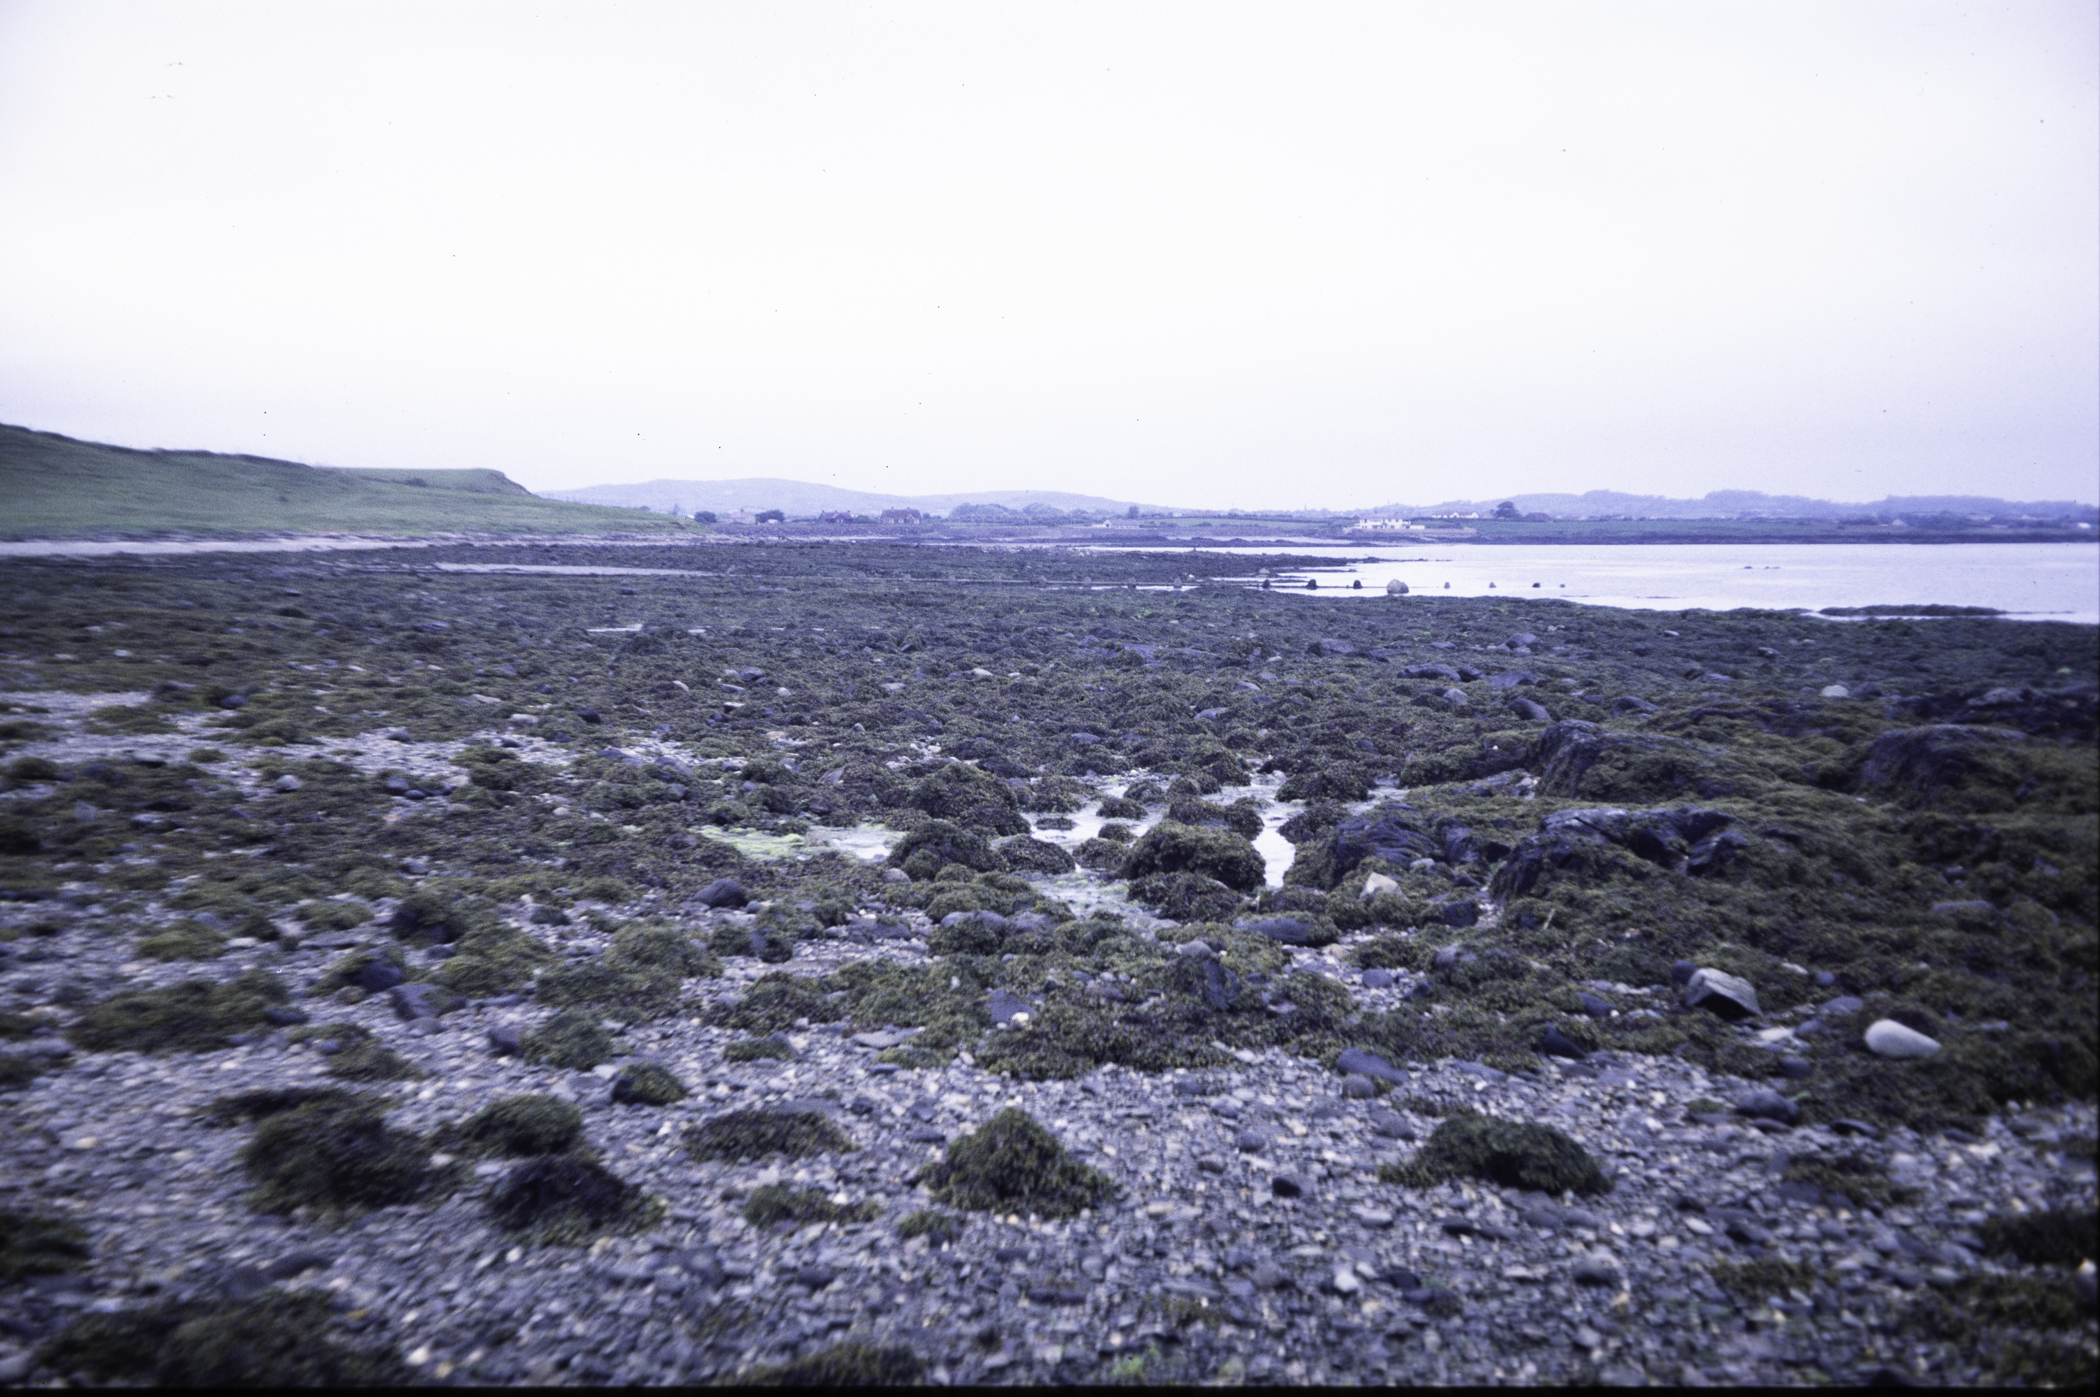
x=648, y=1084
x=33, y=1245
x=2045, y=1236
x=565, y=1200
x=276, y=1340
x=570, y=1039
x=772, y=1203
x=193, y=1016
x=517, y=1127
x=1515, y=1154
x=1012, y=1164
x=854, y=1363
x=338, y=1156
x=748, y=1135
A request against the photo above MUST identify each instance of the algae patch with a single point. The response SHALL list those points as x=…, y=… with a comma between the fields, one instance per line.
x=1011, y=1163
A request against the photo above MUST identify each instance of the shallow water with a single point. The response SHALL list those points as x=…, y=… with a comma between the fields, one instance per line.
x=2032, y=581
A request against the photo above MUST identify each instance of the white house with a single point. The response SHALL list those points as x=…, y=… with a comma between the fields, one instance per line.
x=1388, y=526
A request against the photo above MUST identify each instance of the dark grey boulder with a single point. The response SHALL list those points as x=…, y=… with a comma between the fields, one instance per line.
x=1632, y=703
x=723, y=892
x=378, y=976
x=1529, y=711
x=419, y=1001
x=1368, y=1064
x=1557, y=1044
x=1765, y=1104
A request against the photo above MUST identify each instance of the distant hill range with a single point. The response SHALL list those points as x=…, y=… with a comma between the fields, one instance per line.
x=799, y=500
x=1749, y=504
x=54, y=487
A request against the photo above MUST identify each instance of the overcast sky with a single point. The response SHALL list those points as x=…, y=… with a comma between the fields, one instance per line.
x=1232, y=255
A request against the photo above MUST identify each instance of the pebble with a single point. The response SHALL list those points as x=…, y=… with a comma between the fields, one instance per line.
x=1887, y=1038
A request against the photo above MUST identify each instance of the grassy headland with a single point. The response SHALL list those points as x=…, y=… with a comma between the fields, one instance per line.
x=53, y=487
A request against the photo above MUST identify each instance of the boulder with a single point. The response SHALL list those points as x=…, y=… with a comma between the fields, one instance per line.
x=1360, y=1063
x=1396, y=588
x=1766, y=1104
x=1690, y=840
x=1887, y=1038
x=1376, y=883
x=1917, y=764
x=1529, y=711
x=1727, y=995
x=722, y=892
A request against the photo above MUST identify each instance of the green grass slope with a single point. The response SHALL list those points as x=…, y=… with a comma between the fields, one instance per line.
x=53, y=487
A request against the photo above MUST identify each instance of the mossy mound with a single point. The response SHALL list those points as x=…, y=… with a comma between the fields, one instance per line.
x=569, y=1039
x=842, y=1365
x=772, y=1005
x=1756, y=1281
x=1169, y=847
x=748, y=1135
x=358, y=1055
x=2044, y=1237
x=648, y=1084
x=770, y=1048
x=771, y=1203
x=186, y=940
x=563, y=1200
x=517, y=1127
x=2032, y=1330
x=31, y=1245
x=1515, y=1154
x=925, y=851
x=195, y=1016
x=939, y=1229
x=1185, y=897
x=491, y=961
x=248, y=1107
x=276, y=1340
x=1012, y=1164
x=338, y=1156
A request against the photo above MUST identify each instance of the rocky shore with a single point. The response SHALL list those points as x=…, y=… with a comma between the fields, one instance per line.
x=414, y=977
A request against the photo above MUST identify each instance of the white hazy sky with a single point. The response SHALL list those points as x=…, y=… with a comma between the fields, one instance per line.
x=1232, y=255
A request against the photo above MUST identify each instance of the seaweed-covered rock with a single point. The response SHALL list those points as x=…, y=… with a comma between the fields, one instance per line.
x=746, y=1135
x=563, y=1199
x=852, y=1364
x=275, y=1340
x=1242, y=817
x=1577, y=760
x=1169, y=847
x=337, y=1155
x=1585, y=843
x=1186, y=897
x=1919, y=764
x=518, y=1127
x=1515, y=1154
x=1038, y=856
x=923, y=852
x=648, y=1084
x=569, y=1039
x=194, y=1016
x=1012, y=1164
x=33, y=1245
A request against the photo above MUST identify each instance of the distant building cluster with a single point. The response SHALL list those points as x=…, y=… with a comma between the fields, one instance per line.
x=1389, y=526
x=902, y=516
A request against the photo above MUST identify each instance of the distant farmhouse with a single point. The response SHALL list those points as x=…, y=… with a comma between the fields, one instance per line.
x=835, y=516
x=737, y=516
x=1389, y=526
x=902, y=516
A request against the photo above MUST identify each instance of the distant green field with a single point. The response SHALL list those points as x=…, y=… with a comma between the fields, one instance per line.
x=55, y=487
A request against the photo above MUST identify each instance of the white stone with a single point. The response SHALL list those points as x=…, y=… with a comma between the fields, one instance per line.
x=287, y=782
x=1345, y=1280
x=1378, y=883
x=1709, y=984
x=1836, y=691
x=1887, y=1038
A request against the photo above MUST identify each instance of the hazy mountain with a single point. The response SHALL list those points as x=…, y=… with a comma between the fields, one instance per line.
x=800, y=499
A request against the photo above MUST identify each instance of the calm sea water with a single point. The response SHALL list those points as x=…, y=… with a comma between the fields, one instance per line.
x=2036, y=581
